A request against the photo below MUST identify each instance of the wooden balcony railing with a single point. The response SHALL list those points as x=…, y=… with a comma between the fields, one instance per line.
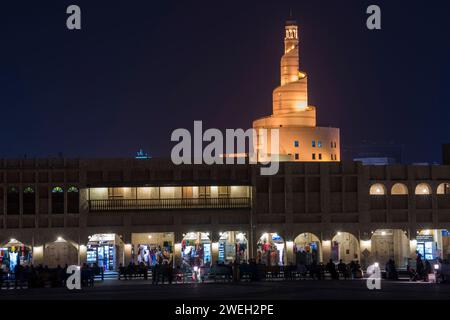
x=153, y=204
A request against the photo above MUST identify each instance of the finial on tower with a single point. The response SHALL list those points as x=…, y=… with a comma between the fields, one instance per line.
x=290, y=21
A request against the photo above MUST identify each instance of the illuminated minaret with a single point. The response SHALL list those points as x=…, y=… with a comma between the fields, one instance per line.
x=300, y=138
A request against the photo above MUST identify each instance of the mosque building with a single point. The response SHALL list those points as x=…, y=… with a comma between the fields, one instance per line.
x=300, y=139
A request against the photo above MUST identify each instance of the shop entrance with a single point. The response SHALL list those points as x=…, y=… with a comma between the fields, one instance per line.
x=14, y=253
x=196, y=249
x=232, y=247
x=152, y=248
x=307, y=249
x=344, y=246
x=271, y=249
x=104, y=250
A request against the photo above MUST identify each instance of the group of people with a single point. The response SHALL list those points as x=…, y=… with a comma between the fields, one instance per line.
x=43, y=276
x=422, y=271
x=160, y=271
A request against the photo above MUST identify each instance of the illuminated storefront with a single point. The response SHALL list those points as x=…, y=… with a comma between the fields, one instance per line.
x=14, y=253
x=232, y=247
x=196, y=249
x=152, y=248
x=103, y=250
x=271, y=249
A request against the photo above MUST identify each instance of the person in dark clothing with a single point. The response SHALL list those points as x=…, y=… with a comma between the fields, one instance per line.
x=170, y=273
x=342, y=268
x=427, y=270
x=331, y=268
x=419, y=266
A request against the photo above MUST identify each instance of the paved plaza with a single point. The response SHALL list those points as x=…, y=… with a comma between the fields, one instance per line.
x=270, y=290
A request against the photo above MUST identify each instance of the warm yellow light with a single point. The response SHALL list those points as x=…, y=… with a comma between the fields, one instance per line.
x=301, y=75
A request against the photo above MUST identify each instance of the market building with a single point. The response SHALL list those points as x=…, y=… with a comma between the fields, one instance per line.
x=112, y=211
x=58, y=211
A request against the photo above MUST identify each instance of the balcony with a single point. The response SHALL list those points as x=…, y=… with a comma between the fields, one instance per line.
x=158, y=204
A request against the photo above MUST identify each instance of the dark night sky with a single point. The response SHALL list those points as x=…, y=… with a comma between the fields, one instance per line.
x=139, y=69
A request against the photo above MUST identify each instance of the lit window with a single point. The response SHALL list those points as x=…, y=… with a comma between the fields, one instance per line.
x=319, y=144
x=443, y=188
x=57, y=190
x=320, y=156
x=314, y=143
x=296, y=156
x=296, y=143
x=377, y=189
x=314, y=156
x=423, y=189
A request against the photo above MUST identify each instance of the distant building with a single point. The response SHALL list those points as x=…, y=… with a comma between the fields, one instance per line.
x=373, y=153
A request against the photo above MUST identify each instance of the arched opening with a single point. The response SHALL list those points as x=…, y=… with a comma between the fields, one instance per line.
x=233, y=246
x=106, y=250
x=29, y=201
x=345, y=247
x=399, y=189
x=152, y=248
x=196, y=249
x=377, y=189
x=271, y=249
x=307, y=249
x=73, y=200
x=389, y=244
x=57, y=200
x=443, y=188
x=423, y=189
x=60, y=253
x=14, y=253
x=13, y=201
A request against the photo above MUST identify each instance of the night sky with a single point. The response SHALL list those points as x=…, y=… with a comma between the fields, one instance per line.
x=140, y=69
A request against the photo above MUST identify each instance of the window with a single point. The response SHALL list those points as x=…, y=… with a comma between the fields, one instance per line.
x=443, y=188
x=423, y=189
x=319, y=144
x=377, y=189
x=334, y=143
x=57, y=200
x=314, y=156
x=313, y=143
x=12, y=201
x=296, y=156
x=73, y=200
x=29, y=201
x=331, y=144
x=296, y=143
x=320, y=156
x=399, y=189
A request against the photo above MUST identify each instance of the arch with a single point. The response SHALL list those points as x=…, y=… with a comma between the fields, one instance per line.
x=233, y=246
x=399, y=189
x=389, y=244
x=423, y=189
x=196, y=249
x=443, y=188
x=60, y=252
x=345, y=247
x=377, y=189
x=307, y=248
x=271, y=249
